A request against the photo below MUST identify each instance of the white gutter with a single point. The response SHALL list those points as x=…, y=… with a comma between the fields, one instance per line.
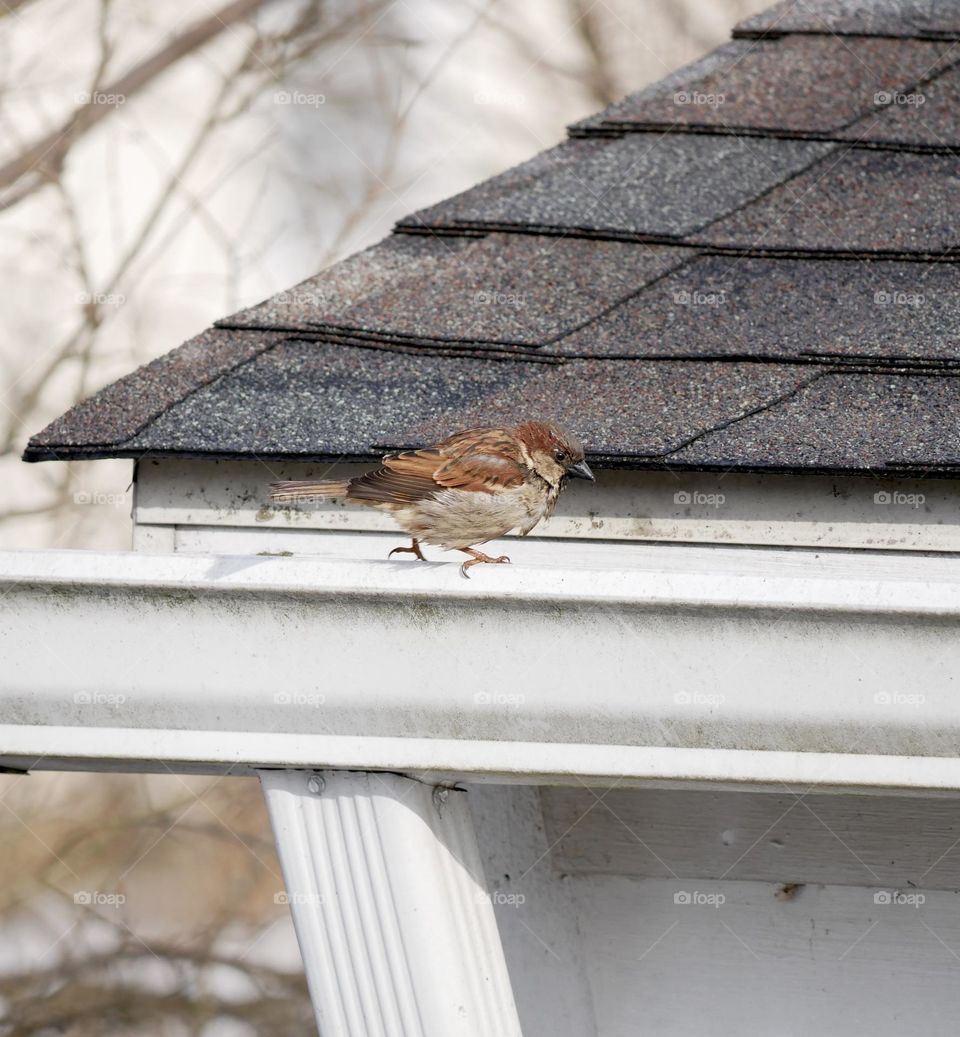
x=634, y=663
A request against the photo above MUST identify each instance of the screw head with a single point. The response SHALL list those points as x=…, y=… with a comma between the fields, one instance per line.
x=315, y=784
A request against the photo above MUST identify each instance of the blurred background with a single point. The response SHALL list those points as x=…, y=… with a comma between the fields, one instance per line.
x=161, y=166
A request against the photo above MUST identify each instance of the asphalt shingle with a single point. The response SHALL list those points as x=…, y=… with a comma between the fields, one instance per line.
x=336, y=289
x=311, y=399
x=513, y=289
x=799, y=85
x=119, y=410
x=843, y=422
x=686, y=285
x=855, y=201
x=640, y=187
x=780, y=308
x=919, y=19
x=927, y=116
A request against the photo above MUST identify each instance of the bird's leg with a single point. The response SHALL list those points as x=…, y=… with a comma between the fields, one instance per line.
x=476, y=557
x=413, y=549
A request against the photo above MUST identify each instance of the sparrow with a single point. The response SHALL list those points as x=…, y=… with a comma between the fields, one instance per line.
x=470, y=488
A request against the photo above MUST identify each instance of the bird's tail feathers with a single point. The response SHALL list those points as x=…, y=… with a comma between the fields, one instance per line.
x=299, y=491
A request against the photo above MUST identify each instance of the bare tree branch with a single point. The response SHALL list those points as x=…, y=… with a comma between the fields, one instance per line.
x=43, y=160
x=588, y=24
x=11, y=6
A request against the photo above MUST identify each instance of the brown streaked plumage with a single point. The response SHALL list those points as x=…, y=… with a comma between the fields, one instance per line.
x=472, y=487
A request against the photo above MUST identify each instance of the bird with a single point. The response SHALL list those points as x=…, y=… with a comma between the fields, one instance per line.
x=470, y=488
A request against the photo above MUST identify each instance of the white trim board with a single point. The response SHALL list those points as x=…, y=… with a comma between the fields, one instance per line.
x=693, y=507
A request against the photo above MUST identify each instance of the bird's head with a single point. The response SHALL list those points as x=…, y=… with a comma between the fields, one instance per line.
x=554, y=452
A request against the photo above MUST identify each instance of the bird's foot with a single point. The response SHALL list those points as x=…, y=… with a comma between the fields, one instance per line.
x=413, y=549
x=478, y=557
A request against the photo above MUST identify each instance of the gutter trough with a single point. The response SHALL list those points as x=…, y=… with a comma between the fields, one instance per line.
x=648, y=664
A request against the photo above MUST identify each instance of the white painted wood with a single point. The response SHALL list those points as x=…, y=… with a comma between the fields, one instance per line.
x=165, y=751
x=535, y=912
x=832, y=961
x=386, y=886
x=851, y=658
x=703, y=507
x=153, y=539
x=899, y=842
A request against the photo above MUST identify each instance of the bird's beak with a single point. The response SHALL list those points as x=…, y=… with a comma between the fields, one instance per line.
x=581, y=471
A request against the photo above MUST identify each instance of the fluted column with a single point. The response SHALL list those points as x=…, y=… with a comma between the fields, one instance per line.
x=386, y=887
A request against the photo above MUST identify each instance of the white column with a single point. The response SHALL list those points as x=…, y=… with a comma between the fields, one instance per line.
x=389, y=901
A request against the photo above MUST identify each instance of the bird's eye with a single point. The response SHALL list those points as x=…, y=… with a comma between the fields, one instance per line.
x=560, y=455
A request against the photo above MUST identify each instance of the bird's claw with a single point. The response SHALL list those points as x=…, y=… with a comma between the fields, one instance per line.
x=413, y=549
x=480, y=558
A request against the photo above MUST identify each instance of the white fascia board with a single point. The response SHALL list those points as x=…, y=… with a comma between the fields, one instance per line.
x=882, y=513
x=630, y=663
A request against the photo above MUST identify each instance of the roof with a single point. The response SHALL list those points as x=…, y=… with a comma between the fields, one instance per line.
x=750, y=265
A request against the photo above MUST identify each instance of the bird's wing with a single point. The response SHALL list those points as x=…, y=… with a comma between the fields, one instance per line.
x=483, y=460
